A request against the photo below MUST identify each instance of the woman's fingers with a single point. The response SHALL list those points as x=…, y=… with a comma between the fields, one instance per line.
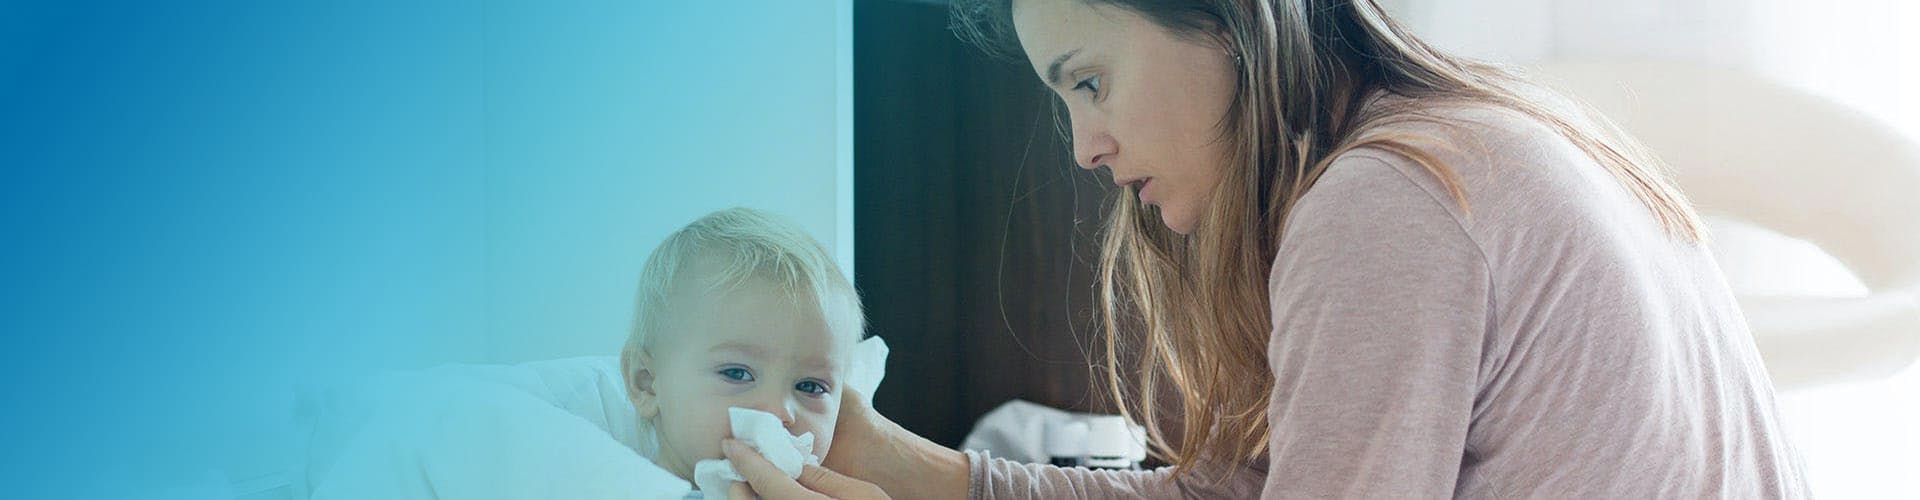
x=833, y=484
x=855, y=431
x=769, y=481
x=815, y=482
x=741, y=491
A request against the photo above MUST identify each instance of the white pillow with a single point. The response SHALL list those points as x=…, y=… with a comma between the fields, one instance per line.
x=590, y=388
x=479, y=432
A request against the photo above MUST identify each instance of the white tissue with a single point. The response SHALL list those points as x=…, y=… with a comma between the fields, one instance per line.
x=763, y=432
x=869, y=365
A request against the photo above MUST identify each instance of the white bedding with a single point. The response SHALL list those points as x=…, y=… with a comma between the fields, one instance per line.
x=487, y=432
x=549, y=429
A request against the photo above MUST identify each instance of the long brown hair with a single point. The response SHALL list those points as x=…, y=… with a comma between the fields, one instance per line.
x=1197, y=304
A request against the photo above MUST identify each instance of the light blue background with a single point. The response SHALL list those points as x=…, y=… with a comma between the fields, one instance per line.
x=206, y=204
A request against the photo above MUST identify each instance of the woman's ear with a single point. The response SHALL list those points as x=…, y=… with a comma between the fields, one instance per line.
x=638, y=370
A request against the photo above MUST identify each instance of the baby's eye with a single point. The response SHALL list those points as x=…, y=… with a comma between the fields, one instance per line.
x=810, y=387
x=736, y=374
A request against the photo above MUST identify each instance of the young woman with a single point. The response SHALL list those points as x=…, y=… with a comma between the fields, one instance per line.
x=1365, y=268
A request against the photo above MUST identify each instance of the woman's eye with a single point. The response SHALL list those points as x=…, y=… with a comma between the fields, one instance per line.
x=1091, y=84
x=737, y=374
x=810, y=387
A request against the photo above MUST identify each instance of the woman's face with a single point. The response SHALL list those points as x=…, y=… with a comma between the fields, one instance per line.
x=1144, y=102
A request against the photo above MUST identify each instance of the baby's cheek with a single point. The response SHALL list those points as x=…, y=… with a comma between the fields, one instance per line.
x=821, y=425
x=822, y=442
x=698, y=434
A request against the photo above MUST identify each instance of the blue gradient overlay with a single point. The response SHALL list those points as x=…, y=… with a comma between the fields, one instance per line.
x=209, y=205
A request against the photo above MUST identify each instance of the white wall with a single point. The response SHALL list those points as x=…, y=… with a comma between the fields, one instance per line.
x=610, y=127
x=584, y=133
x=1529, y=31
x=1865, y=53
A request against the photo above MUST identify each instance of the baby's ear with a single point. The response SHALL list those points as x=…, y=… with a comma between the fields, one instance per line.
x=637, y=368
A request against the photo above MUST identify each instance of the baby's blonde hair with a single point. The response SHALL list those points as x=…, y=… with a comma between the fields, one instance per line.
x=744, y=245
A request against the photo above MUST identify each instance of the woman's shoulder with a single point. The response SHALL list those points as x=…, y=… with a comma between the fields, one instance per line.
x=1491, y=167
x=1372, y=197
x=1471, y=138
x=1511, y=187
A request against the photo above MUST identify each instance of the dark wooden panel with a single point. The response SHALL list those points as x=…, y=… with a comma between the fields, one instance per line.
x=974, y=233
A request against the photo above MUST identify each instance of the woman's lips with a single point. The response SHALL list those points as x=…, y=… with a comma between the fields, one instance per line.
x=1141, y=191
x=1139, y=186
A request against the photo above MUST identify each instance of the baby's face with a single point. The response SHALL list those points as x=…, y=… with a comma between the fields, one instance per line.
x=752, y=347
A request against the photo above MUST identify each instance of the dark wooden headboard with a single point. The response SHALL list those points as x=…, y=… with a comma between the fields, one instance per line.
x=975, y=235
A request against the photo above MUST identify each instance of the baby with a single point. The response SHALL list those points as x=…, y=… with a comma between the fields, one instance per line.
x=737, y=310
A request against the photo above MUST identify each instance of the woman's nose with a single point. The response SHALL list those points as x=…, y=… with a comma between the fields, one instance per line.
x=1092, y=145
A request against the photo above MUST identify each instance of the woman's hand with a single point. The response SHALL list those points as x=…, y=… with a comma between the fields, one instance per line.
x=859, y=430
x=868, y=447
x=814, y=483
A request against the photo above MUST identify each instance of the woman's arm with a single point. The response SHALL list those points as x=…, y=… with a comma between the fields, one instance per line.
x=1001, y=478
x=871, y=448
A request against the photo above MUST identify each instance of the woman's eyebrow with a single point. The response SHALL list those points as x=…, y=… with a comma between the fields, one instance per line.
x=1053, y=69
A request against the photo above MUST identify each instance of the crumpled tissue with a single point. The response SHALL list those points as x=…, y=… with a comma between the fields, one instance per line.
x=763, y=432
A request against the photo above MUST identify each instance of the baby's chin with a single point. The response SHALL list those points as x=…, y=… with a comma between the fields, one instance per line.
x=674, y=464
x=820, y=448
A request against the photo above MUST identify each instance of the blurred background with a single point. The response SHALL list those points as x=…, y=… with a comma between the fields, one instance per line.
x=211, y=207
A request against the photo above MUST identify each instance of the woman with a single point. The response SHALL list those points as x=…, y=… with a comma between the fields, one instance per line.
x=1365, y=268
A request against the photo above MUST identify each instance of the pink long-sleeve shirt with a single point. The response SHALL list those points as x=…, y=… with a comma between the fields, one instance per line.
x=1549, y=341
